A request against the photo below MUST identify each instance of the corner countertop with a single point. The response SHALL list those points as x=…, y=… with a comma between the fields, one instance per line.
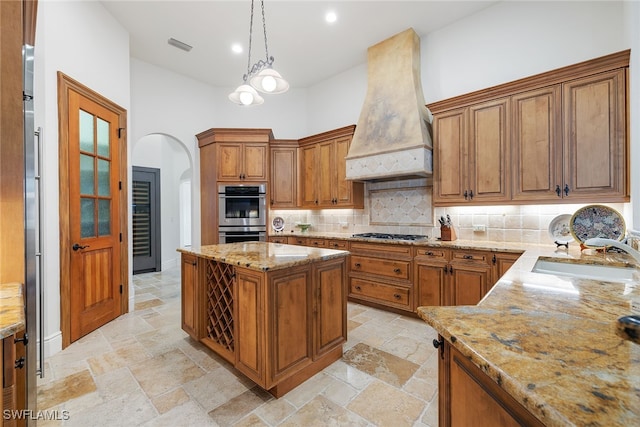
x=262, y=256
x=551, y=341
x=11, y=309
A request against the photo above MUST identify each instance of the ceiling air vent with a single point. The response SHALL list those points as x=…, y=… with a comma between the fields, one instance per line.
x=179, y=44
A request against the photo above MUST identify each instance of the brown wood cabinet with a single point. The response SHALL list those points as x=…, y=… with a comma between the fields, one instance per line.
x=470, y=277
x=323, y=181
x=467, y=396
x=278, y=239
x=296, y=240
x=284, y=174
x=432, y=268
x=471, y=154
x=228, y=155
x=559, y=136
x=13, y=377
x=501, y=262
x=382, y=275
x=278, y=327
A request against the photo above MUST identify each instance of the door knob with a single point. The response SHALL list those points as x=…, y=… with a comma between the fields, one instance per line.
x=76, y=246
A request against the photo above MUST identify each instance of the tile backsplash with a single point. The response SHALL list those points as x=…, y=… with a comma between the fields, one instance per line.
x=406, y=208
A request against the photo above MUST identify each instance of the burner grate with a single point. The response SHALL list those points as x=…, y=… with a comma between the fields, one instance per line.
x=391, y=236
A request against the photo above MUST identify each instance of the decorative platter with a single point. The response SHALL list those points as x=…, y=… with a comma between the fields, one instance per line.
x=597, y=221
x=278, y=223
x=559, y=229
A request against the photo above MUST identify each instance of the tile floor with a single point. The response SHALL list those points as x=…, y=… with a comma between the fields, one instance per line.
x=142, y=369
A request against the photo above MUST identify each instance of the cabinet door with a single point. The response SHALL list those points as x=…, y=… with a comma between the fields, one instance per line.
x=309, y=174
x=469, y=283
x=450, y=165
x=430, y=281
x=325, y=175
x=190, y=296
x=489, y=151
x=255, y=162
x=537, y=144
x=330, y=327
x=289, y=314
x=343, y=188
x=595, y=135
x=229, y=164
x=249, y=324
x=501, y=263
x=283, y=178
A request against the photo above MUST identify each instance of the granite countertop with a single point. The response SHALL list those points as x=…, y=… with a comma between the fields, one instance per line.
x=11, y=309
x=551, y=342
x=263, y=256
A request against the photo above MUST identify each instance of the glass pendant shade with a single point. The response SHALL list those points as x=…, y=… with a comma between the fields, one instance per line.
x=269, y=81
x=246, y=95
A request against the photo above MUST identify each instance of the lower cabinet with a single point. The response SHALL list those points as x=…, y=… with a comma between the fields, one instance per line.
x=468, y=397
x=192, y=299
x=278, y=239
x=470, y=277
x=13, y=378
x=432, y=273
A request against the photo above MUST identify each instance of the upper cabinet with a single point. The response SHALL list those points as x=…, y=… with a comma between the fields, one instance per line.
x=472, y=153
x=555, y=137
x=284, y=174
x=323, y=182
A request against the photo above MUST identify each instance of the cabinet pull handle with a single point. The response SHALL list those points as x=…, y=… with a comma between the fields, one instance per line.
x=358, y=288
x=397, y=270
x=439, y=344
x=494, y=260
x=429, y=253
x=357, y=265
x=466, y=194
x=24, y=339
x=396, y=296
x=566, y=190
x=467, y=256
x=471, y=194
x=451, y=269
x=558, y=191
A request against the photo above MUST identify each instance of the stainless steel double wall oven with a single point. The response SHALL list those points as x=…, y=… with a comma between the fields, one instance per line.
x=242, y=213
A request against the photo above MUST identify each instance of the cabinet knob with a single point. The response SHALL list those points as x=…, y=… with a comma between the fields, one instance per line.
x=397, y=270
x=397, y=296
x=357, y=265
x=429, y=253
x=358, y=288
x=467, y=256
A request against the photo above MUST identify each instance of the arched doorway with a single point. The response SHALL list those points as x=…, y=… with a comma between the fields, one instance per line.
x=171, y=158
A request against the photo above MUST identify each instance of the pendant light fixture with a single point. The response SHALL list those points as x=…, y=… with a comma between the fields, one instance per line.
x=260, y=77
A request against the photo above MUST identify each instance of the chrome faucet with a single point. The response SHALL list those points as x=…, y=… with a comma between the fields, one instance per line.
x=600, y=242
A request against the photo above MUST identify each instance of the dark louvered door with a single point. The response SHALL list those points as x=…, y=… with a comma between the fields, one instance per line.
x=146, y=220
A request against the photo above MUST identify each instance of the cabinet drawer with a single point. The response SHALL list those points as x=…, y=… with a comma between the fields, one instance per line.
x=342, y=245
x=382, y=250
x=395, y=269
x=292, y=240
x=317, y=243
x=278, y=239
x=380, y=292
x=433, y=253
x=471, y=256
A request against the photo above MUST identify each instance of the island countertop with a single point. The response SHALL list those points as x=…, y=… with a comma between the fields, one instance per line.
x=11, y=309
x=551, y=342
x=263, y=256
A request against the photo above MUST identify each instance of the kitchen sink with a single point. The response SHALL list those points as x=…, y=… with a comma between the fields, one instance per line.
x=607, y=273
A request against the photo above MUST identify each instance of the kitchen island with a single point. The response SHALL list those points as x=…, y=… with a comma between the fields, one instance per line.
x=276, y=312
x=540, y=349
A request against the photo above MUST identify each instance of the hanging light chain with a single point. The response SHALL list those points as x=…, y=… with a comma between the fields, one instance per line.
x=250, y=37
x=264, y=28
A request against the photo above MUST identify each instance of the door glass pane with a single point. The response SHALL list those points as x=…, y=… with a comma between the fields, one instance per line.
x=87, y=219
x=86, y=132
x=103, y=178
x=86, y=174
x=104, y=217
x=103, y=138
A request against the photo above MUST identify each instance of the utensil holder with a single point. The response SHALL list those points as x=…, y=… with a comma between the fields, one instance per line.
x=447, y=234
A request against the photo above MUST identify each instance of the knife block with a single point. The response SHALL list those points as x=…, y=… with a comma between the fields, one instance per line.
x=447, y=234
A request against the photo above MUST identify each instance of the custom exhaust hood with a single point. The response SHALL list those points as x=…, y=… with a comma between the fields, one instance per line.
x=392, y=139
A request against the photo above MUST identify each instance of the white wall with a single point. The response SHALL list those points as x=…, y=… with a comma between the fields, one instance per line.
x=632, y=32
x=83, y=41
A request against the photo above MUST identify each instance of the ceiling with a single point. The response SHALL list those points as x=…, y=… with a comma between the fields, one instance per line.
x=306, y=48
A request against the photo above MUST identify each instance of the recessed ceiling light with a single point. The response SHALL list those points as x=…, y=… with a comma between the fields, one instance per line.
x=236, y=48
x=331, y=17
x=179, y=44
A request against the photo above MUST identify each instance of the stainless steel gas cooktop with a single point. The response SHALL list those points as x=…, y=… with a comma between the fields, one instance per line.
x=389, y=236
